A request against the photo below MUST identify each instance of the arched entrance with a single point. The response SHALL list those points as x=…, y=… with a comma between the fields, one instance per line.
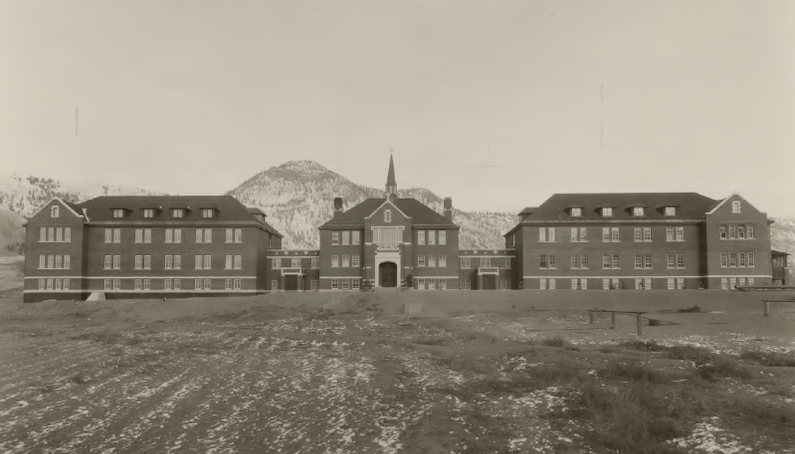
x=387, y=271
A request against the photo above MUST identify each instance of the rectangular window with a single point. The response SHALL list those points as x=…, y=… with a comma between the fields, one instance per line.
x=749, y=231
x=724, y=259
x=178, y=235
x=276, y=264
x=605, y=234
x=198, y=264
x=485, y=262
x=147, y=262
x=118, y=213
x=147, y=235
x=207, y=212
x=669, y=234
x=227, y=284
x=355, y=284
x=420, y=284
x=616, y=263
x=583, y=261
x=670, y=261
x=751, y=260
x=346, y=283
x=735, y=207
x=228, y=262
x=117, y=284
x=346, y=237
x=108, y=235
x=43, y=261
x=576, y=212
x=177, y=284
x=67, y=234
x=583, y=234
x=355, y=260
x=169, y=236
x=638, y=261
x=335, y=261
x=43, y=235
x=647, y=283
x=742, y=281
x=680, y=234
x=236, y=283
x=670, y=211
x=295, y=263
x=431, y=260
x=614, y=234
x=66, y=283
x=431, y=284
x=137, y=284
x=238, y=265
x=506, y=262
x=607, y=211
x=117, y=235
x=177, y=213
x=50, y=233
x=646, y=233
x=207, y=285
x=355, y=237
x=575, y=261
x=732, y=259
x=723, y=234
x=584, y=284
x=751, y=281
x=421, y=260
x=230, y=236
x=671, y=283
x=741, y=232
x=167, y=262
x=198, y=284
x=605, y=284
x=238, y=235
x=733, y=282
x=552, y=283
x=315, y=263
x=199, y=235
x=638, y=231
x=59, y=234
x=680, y=260
x=614, y=283
x=732, y=231
x=431, y=237
x=466, y=263
x=443, y=237
x=724, y=283
x=542, y=234
x=542, y=284
x=139, y=236
x=51, y=261
x=313, y=285
x=638, y=211
x=108, y=284
x=335, y=284
x=606, y=261
x=117, y=262
x=177, y=261
x=741, y=259
x=575, y=283
x=420, y=236
x=138, y=262
x=335, y=238
x=346, y=261
x=208, y=259
x=58, y=261
x=647, y=261
x=107, y=264
x=442, y=260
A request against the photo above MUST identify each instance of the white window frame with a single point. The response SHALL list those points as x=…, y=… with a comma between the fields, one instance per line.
x=335, y=238
x=736, y=207
x=238, y=262
x=576, y=212
x=346, y=237
x=355, y=260
x=442, y=237
x=421, y=260
x=466, y=263
x=335, y=261
x=607, y=212
x=670, y=211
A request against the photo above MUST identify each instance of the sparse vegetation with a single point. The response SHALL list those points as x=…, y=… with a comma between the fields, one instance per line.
x=693, y=308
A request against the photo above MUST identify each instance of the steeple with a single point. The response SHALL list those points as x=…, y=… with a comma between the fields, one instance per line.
x=391, y=185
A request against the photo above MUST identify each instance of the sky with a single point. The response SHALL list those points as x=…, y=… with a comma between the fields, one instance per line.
x=497, y=104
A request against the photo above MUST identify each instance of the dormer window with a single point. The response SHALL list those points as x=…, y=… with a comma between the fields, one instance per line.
x=55, y=212
x=149, y=212
x=607, y=212
x=208, y=213
x=177, y=213
x=735, y=207
x=576, y=212
x=638, y=211
x=670, y=211
x=118, y=213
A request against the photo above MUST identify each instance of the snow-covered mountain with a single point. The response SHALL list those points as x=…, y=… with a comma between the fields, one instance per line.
x=298, y=197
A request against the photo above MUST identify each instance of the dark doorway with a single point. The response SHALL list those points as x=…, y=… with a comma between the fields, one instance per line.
x=489, y=282
x=388, y=273
x=291, y=282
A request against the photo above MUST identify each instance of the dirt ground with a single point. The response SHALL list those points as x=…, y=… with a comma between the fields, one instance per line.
x=350, y=373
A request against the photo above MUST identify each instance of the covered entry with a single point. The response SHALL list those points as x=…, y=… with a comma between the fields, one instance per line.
x=487, y=277
x=387, y=271
x=292, y=279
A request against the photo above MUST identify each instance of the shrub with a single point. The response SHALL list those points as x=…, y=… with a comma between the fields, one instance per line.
x=690, y=309
x=771, y=359
x=556, y=341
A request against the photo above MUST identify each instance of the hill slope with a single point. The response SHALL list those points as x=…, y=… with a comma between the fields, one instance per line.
x=298, y=197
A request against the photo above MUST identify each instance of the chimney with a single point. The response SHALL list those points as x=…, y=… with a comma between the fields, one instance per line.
x=337, y=206
x=448, y=208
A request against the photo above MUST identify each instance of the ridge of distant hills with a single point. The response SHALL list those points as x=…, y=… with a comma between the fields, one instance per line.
x=297, y=196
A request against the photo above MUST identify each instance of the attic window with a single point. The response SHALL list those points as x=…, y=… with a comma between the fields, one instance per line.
x=607, y=212
x=149, y=212
x=670, y=211
x=576, y=212
x=638, y=211
x=118, y=213
x=735, y=207
x=177, y=213
x=208, y=212
x=55, y=212
x=387, y=215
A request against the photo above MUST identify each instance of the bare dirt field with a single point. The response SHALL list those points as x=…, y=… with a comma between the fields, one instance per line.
x=479, y=372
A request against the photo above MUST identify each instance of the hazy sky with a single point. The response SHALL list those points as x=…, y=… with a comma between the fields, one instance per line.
x=498, y=104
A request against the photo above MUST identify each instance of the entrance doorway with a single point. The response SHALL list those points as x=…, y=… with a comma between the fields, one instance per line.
x=388, y=273
x=489, y=282
x=291, y=282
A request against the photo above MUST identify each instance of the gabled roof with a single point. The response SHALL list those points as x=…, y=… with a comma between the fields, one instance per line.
x=229, y=209
x=413, y=208
x=691, y=206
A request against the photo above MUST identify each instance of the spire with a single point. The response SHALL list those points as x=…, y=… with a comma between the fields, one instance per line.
x=391, y=185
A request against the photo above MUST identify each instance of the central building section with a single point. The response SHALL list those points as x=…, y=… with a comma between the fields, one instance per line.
x=389, y=242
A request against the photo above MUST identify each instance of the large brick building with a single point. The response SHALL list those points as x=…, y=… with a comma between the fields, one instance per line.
x=641, y=241
x=153, y=246
x=171, y=246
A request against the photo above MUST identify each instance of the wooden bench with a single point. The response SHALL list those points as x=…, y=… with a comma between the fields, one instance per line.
x=638, y=316
x=766, y=305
